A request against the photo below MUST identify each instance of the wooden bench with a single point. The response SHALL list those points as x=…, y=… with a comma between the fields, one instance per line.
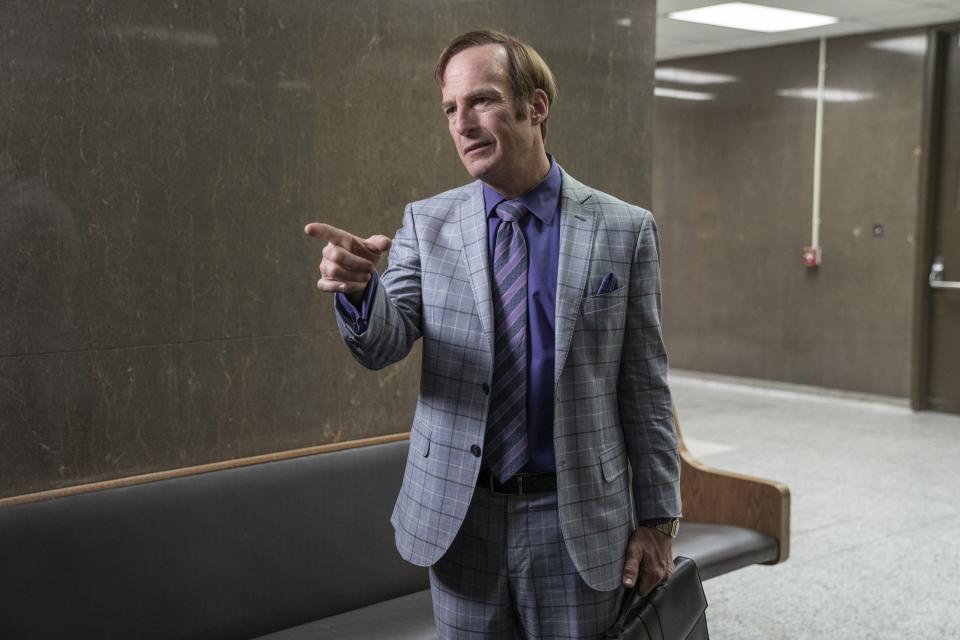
x=289, y=546
x=730, y=520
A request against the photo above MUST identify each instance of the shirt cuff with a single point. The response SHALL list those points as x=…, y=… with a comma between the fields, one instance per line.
x=654, y=522
x=359, y=317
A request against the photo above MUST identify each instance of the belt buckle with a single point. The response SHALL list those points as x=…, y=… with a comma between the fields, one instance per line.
x=492, y=480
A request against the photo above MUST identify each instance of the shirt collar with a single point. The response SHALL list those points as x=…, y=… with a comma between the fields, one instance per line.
x=542, y=201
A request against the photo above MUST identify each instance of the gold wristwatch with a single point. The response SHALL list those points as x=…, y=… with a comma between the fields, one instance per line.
x=671, y=528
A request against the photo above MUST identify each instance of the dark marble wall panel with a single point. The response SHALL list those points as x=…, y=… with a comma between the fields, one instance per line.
x=158, y=160
x=72, y=417
x=733, y=182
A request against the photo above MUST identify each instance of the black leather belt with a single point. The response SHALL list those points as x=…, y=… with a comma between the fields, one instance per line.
x=519, y=485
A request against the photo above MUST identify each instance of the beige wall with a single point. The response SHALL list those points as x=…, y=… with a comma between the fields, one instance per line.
x=733, y=181
x=158, y=163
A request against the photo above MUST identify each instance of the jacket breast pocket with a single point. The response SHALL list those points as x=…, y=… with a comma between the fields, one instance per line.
x=605, y=301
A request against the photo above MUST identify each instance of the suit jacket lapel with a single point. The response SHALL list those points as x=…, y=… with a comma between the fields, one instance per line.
x=473, y=228
x=578, y=225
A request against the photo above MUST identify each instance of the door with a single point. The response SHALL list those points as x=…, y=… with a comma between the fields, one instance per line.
x=943, y=313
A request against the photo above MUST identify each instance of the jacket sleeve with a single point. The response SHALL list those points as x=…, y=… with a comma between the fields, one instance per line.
x=395, y=312
x=645, y=405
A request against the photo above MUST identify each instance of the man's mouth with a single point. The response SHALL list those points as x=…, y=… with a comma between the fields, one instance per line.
x=477, y=146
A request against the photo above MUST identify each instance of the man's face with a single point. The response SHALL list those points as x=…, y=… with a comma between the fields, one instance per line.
x=478, y=101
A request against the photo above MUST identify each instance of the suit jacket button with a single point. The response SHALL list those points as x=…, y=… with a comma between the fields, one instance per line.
x=486, y=389
x=475, y=450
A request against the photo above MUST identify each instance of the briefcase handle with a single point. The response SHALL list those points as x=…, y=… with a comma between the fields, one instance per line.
x=630, y=605
x=645, y=610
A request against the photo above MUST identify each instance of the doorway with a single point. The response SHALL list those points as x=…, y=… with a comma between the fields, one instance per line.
x=938, y=386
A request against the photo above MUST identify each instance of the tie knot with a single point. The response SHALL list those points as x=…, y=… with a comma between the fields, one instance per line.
x=511, y=210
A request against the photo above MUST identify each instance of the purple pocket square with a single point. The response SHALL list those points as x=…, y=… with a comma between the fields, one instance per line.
x=608, y=284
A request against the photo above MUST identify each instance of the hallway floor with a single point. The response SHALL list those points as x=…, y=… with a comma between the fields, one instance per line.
x=875, y=546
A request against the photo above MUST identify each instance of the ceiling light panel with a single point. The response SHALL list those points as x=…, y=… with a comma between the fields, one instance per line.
x=691, y=76
x=752, y=17
x=909, y=45
x=679, y=94
x=829, y=95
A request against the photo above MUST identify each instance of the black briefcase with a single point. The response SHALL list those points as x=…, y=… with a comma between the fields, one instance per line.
x=674, y=610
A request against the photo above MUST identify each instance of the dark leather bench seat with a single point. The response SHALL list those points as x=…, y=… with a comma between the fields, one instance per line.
x=718, y=549
x=409, y=616
x=290, y=549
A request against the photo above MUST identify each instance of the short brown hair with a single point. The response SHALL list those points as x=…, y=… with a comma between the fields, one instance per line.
x=526, y=70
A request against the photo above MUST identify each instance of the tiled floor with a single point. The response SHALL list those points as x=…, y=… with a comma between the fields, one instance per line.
x=875, y=546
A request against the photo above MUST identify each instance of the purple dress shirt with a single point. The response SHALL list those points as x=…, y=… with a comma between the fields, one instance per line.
x=541, y=230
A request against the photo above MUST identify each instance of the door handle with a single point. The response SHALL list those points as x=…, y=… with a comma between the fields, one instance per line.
x=936, y=276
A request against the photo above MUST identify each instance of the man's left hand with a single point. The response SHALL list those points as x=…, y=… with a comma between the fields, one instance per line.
x=649, y=554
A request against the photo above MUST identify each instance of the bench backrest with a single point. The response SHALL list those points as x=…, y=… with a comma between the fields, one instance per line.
x=228, y=554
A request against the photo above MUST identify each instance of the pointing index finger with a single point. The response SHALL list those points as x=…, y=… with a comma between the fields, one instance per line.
x=341, y=238
x=327, y=232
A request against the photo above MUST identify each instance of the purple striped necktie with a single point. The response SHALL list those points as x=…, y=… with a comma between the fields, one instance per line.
x=506, y=443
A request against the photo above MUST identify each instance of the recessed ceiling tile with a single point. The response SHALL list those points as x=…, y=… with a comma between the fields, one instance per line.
x=678, y=29
x=839, y=8
x=863, y=16
x=948, y=4
x=918, y=16
x=664, y=44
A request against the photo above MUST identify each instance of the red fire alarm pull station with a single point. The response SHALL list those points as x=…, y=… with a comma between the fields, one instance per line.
x=811, y=256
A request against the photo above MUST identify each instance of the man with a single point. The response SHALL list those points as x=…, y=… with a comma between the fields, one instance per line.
x=543, y=375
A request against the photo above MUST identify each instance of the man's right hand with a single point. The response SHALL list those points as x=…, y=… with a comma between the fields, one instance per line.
x=348, y=260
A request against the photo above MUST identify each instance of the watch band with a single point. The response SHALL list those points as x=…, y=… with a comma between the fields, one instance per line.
x=670, y=528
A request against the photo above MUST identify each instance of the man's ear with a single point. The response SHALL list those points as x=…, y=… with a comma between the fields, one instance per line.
x=539, y=107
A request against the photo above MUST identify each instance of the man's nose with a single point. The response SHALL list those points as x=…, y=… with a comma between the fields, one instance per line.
x=464, y=122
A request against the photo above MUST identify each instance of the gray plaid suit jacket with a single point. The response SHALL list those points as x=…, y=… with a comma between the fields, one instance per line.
x=612, y=403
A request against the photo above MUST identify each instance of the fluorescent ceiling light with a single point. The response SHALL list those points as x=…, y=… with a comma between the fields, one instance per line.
x=910, y=45
x=679, y=94
x=829, y=95
x=752, y=17
x=691, y=76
